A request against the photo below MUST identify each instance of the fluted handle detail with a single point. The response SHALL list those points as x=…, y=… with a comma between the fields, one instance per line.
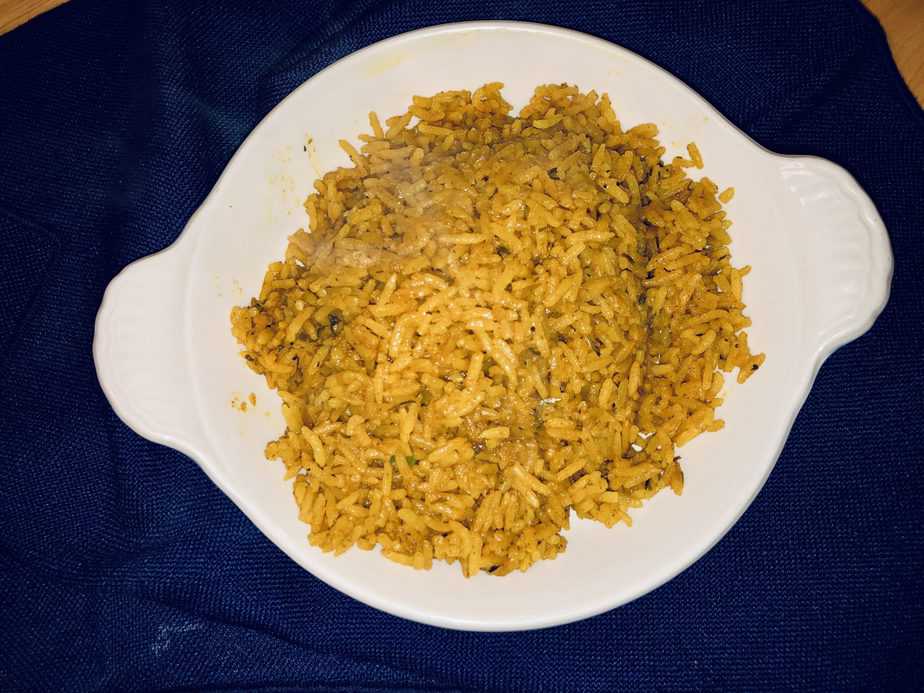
x=144, y=368
x=845, y=252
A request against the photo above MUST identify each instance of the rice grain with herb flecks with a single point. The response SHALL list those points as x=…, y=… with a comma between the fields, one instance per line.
x=494, y=320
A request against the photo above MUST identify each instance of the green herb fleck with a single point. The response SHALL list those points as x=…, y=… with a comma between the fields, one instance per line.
x=411, y=460
x=335, y=319
x=392, y=460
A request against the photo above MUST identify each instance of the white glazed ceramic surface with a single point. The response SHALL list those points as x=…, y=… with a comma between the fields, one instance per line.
x=169, y=366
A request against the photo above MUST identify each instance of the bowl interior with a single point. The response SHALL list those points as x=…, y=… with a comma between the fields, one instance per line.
x=258, y=202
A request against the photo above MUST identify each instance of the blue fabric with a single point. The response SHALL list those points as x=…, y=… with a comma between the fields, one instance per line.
x=123, y=568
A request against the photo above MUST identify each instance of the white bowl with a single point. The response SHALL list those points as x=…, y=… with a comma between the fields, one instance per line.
x=168, y=364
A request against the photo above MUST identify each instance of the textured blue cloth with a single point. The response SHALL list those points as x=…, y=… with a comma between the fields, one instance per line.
x=122, y=567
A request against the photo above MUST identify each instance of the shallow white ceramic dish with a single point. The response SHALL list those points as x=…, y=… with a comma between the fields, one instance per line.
x=168, y=364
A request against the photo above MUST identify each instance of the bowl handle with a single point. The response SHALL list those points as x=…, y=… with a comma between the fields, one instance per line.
x=143, y=368
x=845, y=252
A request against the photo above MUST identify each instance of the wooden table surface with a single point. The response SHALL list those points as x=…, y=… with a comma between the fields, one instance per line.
x=903, y=21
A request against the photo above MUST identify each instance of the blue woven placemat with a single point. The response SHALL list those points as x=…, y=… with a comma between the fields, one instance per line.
x=123, y=568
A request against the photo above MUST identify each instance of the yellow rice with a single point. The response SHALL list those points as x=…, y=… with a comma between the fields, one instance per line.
x=494, y=320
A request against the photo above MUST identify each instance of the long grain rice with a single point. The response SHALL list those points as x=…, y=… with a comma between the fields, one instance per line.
x=494, y=320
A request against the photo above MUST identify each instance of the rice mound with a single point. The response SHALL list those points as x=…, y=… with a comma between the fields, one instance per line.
x=494, y=320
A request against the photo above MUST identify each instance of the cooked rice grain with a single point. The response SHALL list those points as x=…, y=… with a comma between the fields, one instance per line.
x=494, y=320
